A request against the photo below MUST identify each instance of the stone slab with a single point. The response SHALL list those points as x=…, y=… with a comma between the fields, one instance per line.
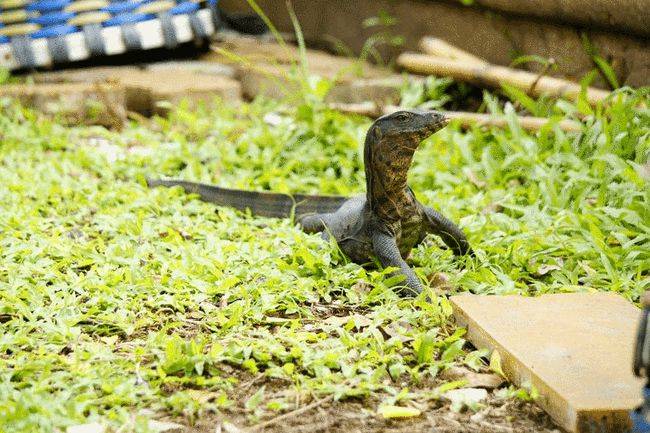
x=617, y=15
x=259, y=51
x=84, y=75
x=194, y=66
x=147, y=89
x=73, y=103
x=172, y=86
x=267, y=68
x=576, y=349
x=280, y=81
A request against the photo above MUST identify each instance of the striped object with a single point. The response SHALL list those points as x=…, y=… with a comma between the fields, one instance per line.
x=43, y=32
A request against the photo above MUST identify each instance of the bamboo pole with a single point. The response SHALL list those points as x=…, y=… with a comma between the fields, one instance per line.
x=466, y=119
x=528, y=123
x=493, y=76
x=367, y=108
x=440, y=48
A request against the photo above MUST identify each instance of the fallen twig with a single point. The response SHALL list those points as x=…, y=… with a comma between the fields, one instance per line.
x=292, y=413
x=541, y=74
x=251, y=382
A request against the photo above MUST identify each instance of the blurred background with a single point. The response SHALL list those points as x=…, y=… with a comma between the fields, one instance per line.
x=569, y=31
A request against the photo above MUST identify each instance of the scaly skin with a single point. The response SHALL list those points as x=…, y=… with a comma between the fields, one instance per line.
x=386, y=223
x=389, y=221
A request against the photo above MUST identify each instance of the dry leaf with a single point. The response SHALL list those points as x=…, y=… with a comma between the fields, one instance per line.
x=474, y=380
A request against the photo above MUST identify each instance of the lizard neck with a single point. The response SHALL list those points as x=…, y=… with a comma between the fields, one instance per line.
x=387, y=161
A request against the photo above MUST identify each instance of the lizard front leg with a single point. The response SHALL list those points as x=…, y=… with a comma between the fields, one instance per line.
x=312, y=223
x=386, y=250
x=451, y=235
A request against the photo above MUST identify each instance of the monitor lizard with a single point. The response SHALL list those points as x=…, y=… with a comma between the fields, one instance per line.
x=385, y=223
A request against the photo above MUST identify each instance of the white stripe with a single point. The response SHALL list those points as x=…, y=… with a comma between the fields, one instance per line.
x=113, y=43
x=183, y=28
x=206, y=16
x=77, y=49
x=150, y=34
x=41, y=53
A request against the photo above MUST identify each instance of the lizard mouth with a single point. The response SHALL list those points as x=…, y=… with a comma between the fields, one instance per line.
x=436, y=126
x=441, y=123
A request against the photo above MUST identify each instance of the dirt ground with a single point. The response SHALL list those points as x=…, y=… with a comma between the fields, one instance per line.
x=498, y=416
x=360, y=416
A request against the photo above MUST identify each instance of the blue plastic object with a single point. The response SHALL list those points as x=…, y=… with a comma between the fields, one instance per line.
x=120, y=7
x=55, y=20
x=184, y=8
x=641, y=416
x=52, y=18
x=127, y=19
x=54, y=31
x=47, y=5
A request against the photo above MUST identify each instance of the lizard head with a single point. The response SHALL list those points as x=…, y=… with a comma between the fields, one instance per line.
x=407, y=128
x=400, y=133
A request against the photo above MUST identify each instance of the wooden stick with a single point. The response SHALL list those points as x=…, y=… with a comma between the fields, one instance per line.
x=467, y=120
x=493, y=76
x=440, y=48
x=367, y=108
x=528, y=123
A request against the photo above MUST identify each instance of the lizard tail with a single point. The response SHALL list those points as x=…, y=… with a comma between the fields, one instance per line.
x=267, y=204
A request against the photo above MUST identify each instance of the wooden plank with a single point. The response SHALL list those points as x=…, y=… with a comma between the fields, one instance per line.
x=576, y=349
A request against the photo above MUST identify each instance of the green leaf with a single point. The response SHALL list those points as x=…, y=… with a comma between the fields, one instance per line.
x=426, y=347
x=495, y=363
x=255, y=400
x=391, y=412
x=517, y=95
x=475, y=359
x=454, y=350
x=4, y=75
x=607, y=71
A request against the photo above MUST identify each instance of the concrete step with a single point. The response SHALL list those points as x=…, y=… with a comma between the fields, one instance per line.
x=575, y=349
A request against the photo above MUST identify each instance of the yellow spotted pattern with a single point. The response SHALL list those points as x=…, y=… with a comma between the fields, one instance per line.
x=156, y=7
x=86, y=5
x=19, y=29
x=14, y=16
x=89, y=18
x=11, y=4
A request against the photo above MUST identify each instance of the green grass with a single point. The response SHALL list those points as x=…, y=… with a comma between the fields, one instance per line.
x=115, y=298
